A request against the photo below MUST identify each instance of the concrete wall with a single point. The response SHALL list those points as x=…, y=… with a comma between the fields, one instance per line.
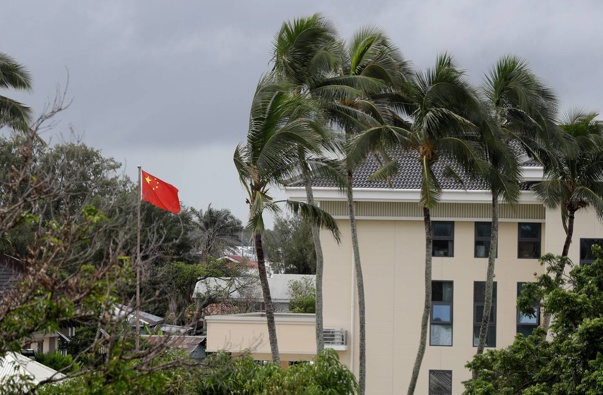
x=239, y=332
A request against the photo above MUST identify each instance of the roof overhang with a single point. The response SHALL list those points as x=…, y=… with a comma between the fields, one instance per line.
x=401, y=195
x=529, y=174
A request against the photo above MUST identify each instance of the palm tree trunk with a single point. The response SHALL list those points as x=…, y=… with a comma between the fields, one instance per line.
x=259, y=250
x=571, y=214
x=427, y=303
x=360, y=287
x=483, y=330
x=320, y=342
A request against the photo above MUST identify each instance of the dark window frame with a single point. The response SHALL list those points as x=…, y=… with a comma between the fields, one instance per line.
x=586, y=256
x=449, y=239
x=436, y=391
x=442, y=323
x=478, y=310
x=537, y=240
x=524, y=327
x=483, y=239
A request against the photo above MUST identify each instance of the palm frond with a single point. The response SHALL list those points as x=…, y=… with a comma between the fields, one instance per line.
x=430, y=187
x=13, y=75
x=385, y=172
x=591, y=198
x=316, y=216
x=551, y=192
x=307, y=50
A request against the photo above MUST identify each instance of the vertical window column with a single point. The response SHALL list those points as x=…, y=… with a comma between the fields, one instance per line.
x=586, y=250
x=528, y=246
x=479, y=301
x=441, y=313
x=442, y=238
x=527, y=323
x=440, y=382
x=483, y=231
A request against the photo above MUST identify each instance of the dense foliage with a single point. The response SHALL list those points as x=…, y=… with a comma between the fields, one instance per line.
x=325, y=375
x=302, y=295
x=289, y=246
x=168, y=289
x=570, y=360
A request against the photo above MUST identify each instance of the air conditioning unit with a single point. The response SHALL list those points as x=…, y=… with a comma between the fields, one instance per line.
x=335, y=338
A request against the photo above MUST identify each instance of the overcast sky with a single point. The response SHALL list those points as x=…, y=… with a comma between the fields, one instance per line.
x=168, y=85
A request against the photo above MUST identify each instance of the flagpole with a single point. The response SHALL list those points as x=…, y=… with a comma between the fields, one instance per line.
x=138, y=260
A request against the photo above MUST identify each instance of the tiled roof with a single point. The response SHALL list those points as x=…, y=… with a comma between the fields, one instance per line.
x=530, y=163
x=409, y=175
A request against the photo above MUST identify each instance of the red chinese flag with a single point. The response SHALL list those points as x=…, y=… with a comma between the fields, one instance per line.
x=159, y=193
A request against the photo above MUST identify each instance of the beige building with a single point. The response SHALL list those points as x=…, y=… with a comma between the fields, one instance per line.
x=392, y=247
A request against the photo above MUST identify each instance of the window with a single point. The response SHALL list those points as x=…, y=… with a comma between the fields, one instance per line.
x=482, y=239
x=440, y=382
x=529, y=241
x=441, y=313
x=586, y=250
x=443, y=238
x=479, y=292
x=527, y=323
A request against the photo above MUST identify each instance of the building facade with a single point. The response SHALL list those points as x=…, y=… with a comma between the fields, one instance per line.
x=392, y=248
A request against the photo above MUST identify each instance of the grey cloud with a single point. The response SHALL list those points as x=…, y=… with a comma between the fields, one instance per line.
x=179, y=76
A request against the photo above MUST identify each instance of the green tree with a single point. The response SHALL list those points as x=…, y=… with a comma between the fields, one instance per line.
x=243, y=375
x=289, y=246
x=167, y=237
x=59, y=362
x=169, y=372
x=13, y=76
x=280, y=122
x=168, y=289
x=76, y=263
x=569, y=361
x=303, y=296
x=524, y=111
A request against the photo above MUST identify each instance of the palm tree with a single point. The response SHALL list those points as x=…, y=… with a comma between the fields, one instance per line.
x=575, y=181
x=374, y=67
x=306, y=52
x=351, y=84
x=440, y=104
x=523, y=111
x=13, y=76
x=280, y=122
x=218, y=230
